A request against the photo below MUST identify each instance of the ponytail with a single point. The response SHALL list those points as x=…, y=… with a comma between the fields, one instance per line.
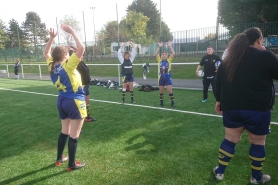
x=238, y=49
x=51, y=67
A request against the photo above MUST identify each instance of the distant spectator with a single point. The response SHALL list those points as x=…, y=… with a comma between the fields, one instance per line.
x=16, y=67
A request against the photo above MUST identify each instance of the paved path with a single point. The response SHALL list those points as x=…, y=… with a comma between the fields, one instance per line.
x=195, y=84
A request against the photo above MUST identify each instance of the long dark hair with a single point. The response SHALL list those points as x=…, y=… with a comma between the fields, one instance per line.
x=238, y=49
x=58, y=54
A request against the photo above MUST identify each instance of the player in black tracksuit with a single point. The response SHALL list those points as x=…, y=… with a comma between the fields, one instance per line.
x=210, y=63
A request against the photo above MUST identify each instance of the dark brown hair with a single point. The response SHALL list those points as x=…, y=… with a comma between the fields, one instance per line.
x=58, y=54
x=238, y=49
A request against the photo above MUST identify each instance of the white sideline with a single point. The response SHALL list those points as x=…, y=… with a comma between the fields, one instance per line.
x=135, y=105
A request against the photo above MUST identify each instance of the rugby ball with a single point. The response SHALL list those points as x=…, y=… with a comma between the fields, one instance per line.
x=200, y=73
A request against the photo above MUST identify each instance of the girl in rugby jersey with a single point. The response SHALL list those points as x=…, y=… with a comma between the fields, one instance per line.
x=71, y=100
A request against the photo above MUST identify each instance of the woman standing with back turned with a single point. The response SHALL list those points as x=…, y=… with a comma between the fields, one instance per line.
x=71, y=100
x=244, y=96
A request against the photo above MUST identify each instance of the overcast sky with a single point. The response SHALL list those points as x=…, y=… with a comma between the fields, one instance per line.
x=179, y=15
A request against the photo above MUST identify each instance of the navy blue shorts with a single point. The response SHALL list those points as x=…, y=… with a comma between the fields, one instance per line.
x=256, y=122
x=164, y=81
x=71, y=108
x=86, y=90
x=127, y=78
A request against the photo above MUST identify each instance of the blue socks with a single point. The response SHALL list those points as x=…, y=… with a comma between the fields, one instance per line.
x=257, y=155
x=226, y=152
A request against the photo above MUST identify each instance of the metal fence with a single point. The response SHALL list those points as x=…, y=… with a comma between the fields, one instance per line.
x=187, y=43
x=183, y=74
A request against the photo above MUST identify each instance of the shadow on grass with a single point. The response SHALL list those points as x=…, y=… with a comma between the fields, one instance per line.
x=16, y=178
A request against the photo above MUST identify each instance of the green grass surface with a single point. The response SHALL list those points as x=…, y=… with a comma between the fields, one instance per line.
x=127, y=145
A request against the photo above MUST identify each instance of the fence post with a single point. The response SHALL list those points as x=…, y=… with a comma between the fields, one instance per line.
x=8, y=70
x=40, y=71
x=216, y=34
x=22, y=73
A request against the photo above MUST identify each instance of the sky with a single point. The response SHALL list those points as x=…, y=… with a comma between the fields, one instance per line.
x=179, y=15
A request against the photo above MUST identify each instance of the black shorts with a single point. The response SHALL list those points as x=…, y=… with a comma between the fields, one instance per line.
x=256, y=122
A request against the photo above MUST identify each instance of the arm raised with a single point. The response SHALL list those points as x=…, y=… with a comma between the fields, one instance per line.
x=47, y=50
x=79, y=45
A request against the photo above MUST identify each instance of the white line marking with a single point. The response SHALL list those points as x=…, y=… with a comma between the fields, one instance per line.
x=135, y=105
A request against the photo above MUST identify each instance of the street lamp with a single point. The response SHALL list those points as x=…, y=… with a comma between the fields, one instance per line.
x=94, y=28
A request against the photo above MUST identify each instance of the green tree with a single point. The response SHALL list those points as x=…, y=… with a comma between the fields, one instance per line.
x=148, y=8
x=3, y=35
x=269, y=11
x=111, y=32
x=34, y=30
x=71, y=21
x=238, y=15
x=165, y=33
x=244, y=11
x=136, y=23
x=14, y=33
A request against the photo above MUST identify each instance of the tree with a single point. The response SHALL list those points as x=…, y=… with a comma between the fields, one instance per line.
x=34, y=30
x=71, y=21
x=15, y=35
x=111, y=32
x=269, y=11
x=3, y=36
x=244, y=11
x=136, y=23
x=165, y=33
x=238, y=15
x=148, y=8
x=210, y=36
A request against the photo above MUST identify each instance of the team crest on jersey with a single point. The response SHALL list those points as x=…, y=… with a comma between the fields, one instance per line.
x=214, y=60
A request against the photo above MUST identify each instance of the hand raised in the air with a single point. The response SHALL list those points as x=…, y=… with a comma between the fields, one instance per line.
x=131, y=43
x=67, y=29
x=169, y=43
x=52, y=33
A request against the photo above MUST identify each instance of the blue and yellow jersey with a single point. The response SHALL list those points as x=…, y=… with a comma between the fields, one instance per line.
x=67, y=79
x=164, y=66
